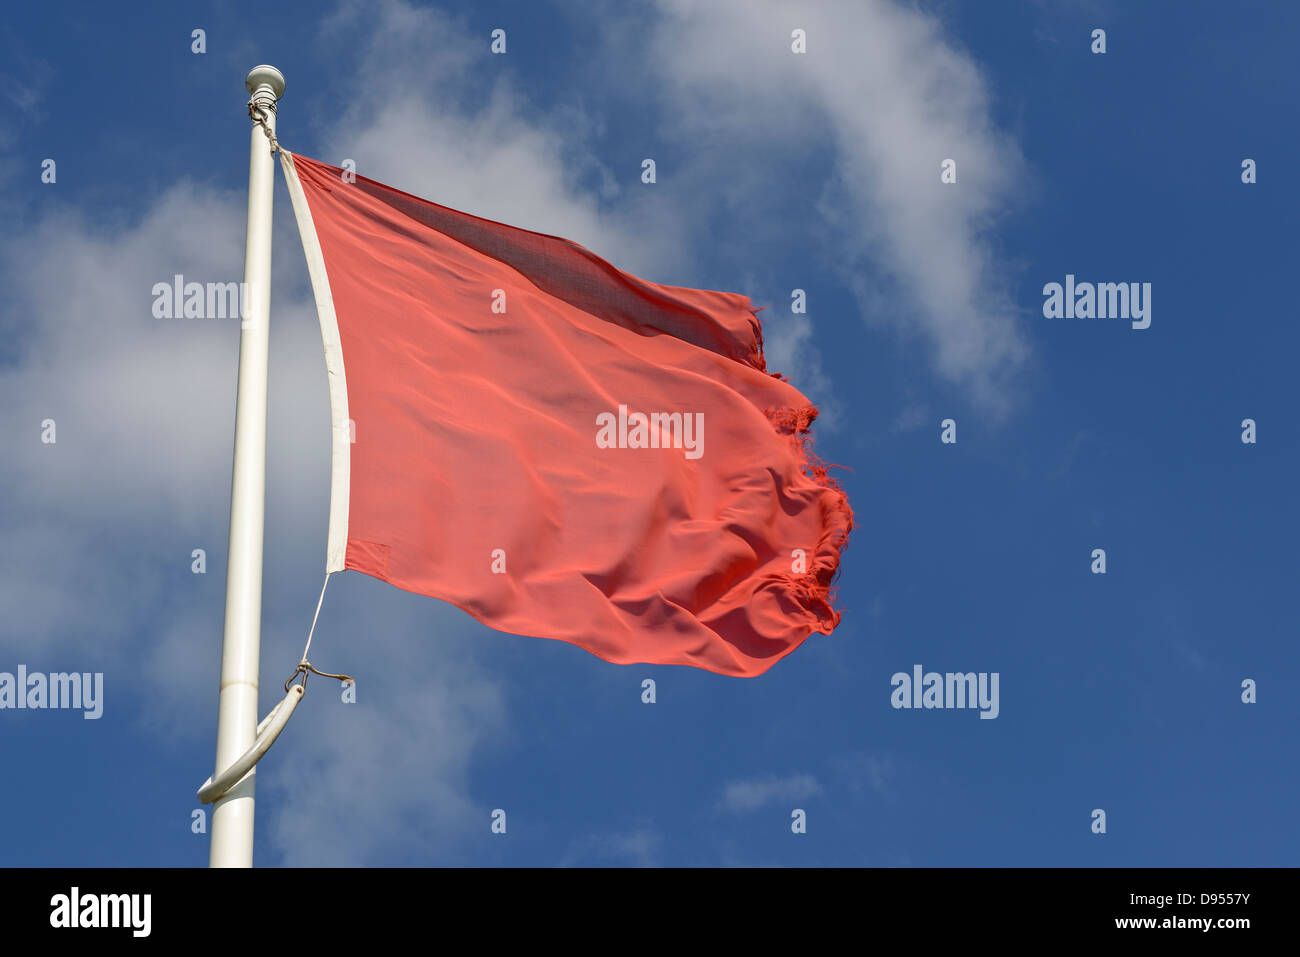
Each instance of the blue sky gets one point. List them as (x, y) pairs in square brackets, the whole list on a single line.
[(775, 171)]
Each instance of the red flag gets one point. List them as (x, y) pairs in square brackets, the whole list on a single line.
[(557, 447)]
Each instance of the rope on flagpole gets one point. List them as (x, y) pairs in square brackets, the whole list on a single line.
[(257, 114), (305, 666)]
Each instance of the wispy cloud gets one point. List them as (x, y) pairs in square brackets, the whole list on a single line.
[(863, 772), (911, 417), (753, 793), (640, 847)]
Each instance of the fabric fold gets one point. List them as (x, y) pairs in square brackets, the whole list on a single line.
[(560, 448)]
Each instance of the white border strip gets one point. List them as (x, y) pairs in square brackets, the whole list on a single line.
[(341, 458)]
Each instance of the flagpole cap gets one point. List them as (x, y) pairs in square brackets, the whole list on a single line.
[(264, 79)]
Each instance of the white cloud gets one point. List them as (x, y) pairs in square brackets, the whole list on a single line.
[(754, 793), (142, 409), (386, 777), (421, 127), (789, 346), (893, 97)]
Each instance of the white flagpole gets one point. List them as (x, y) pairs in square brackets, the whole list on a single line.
[(232, 815)]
